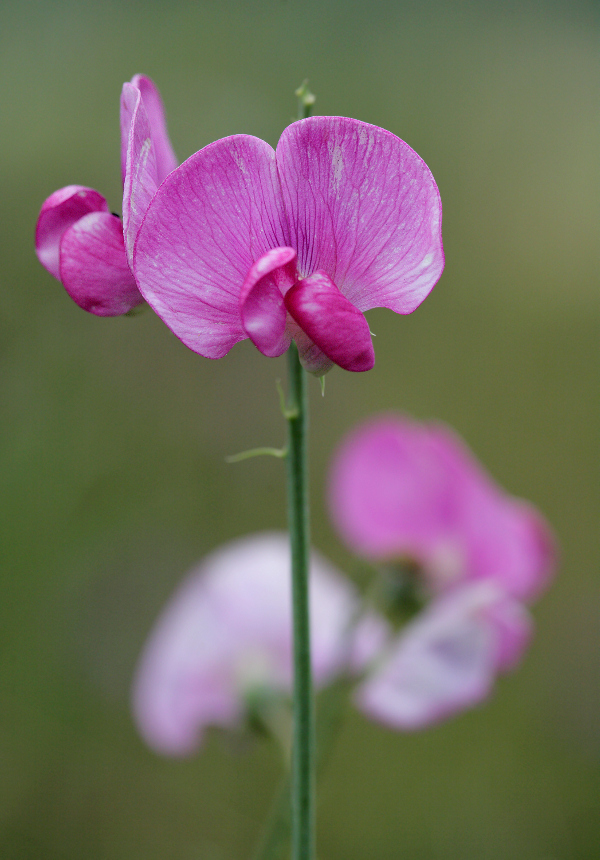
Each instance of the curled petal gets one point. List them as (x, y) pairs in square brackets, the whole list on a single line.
[(261, 300), (93, 266), (363, 207), (227, 632), (59, 212), (208, 223), (332, 322), (447, 659), (165, 157), (141, 176)]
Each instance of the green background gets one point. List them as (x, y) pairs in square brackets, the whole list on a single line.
[(113, 435)]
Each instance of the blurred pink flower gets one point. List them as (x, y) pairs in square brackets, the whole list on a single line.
[(242, 241), (226, 634), (77, 238), (400, 490), (447, 658), (403, 489)]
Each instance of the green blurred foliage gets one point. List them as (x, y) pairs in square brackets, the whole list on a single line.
[(113, 434)]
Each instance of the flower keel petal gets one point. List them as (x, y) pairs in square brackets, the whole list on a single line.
[(338, 328), (261, 300), (93, 266), (59, 212)]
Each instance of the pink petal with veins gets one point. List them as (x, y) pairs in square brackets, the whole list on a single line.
[(154, 110), (166, 161), (93, 266), (261, 300), (359, 207), (59, 212), (141, 176), (208, 224), (332, 322), (363, 207)]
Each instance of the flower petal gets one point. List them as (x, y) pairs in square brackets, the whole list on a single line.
[(514, 627), (147, 156), (332, 322), (311, 357), (59, 212), (398, 487), (227, 631), (510, 542), (166, 160), (93, 266), (445, 661), (388, 495), (140, 179), (261, 300), (506, 539), (208, 223), (363, 207)]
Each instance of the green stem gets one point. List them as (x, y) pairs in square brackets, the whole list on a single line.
[(275, 838), (303, 800)]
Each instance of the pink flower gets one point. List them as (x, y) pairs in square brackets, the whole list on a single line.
[(447, 658), (242, 241), (226, 635), (77, 238), (403, 489)]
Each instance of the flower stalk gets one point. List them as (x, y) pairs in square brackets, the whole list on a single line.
[(303, 739), (303, 745)]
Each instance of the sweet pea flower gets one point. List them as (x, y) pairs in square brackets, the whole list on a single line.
[(447, 658), (400, 489), (409, 492), (226, 636), (242, 241), (78, 239)]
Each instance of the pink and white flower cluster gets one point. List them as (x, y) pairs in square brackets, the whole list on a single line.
[(398, 490)]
